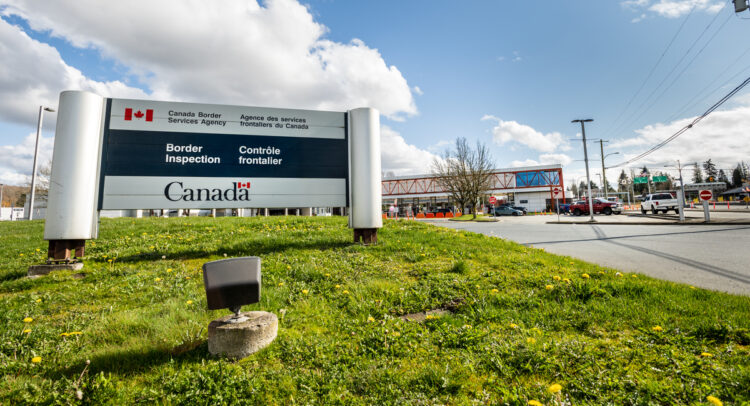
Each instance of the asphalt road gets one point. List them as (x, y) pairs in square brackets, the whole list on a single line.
[(708, 256)]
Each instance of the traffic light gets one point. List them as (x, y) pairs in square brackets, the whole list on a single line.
[(740, 5)]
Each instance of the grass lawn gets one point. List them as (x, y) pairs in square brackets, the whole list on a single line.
[(470, 217), (523, 321)]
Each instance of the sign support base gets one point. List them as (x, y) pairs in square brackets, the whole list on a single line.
[(65, 251), (367, 235)]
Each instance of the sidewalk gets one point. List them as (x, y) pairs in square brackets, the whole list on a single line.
[(692, 217)]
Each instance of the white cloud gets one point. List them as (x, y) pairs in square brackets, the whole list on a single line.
[(672, 8), (722, 136), (16, 160), (401, 158), (33, 74), (544, 159), (237, 53), (638, 19), (512, 131), (417, 90)]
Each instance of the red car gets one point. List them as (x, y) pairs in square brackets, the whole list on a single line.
[(600, 206)]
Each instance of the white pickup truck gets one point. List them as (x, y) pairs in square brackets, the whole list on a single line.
[(660, 201)]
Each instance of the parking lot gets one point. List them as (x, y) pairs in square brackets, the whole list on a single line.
[(702, 255)]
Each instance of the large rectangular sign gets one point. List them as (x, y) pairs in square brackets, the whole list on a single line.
[(182, 155)]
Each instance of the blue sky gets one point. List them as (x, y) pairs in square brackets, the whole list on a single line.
[(509, 74)]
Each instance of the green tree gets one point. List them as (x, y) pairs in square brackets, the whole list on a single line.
[(622, 182), (712, 174), (737, 176), (723, 178), (697, 175)]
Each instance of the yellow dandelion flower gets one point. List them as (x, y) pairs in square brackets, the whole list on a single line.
[(20, 255), (157, 279), (549, 287), (28, 320), (281, 284), (64, 334), (531, 340), (27, 331), (536, 330), (706, 354), (692, 287), (305, 291), (429, 317), (36, 360), (566, 280), (534, 403), (634, 275), (513, 325), (494, 291), (327, 275), (714, 401), (396, 334), (618, 274), (169, 269), (346, 292), (467, 326), (557, 278), (37, 250), (189, 302), (109, 260), (370, 319), (585, 276), (187, 277), (656, 328), (39, 300), (337, 286), (75, 333), (554, 388)]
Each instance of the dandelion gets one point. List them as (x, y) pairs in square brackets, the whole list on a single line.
[(692, 287), (288, 267), (337, 286), (513, 325), (64, 334), (327, 275), (169, 269), (20, 255), (189, 302), (281, 284), (36, 360), (346, 292), (534, 403), (109, 260), (187, 277), (467, 327), (549, 287), (566, 280), (656, 328), (370, 319), (27, 331), (585, 276), (554, 388), (75, 333), (39, 300), (494, 291), (37, 250), (618, 274), (157, 279), (706, 355), (396, 334), (305, 291), (557, 278), (634, 275), (28, 320), (531, 340), (714, 401), (429, 317)]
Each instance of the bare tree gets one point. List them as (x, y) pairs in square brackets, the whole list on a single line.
[(465, 173)]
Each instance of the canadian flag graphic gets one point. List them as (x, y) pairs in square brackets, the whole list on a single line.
[(241, 185), (139, 114)]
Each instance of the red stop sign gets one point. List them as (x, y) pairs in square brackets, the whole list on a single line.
[(705, 195), (493, 200)]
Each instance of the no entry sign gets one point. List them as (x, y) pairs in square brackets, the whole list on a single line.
[(557, 192), (705, 195), (493, 200)]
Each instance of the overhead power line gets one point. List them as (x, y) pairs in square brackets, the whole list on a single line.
[(687, 127)]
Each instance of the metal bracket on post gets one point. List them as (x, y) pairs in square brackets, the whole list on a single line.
[(367, 235), (65, 251)]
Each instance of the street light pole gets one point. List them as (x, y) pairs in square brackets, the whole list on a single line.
[(586, 159), (42, 109)]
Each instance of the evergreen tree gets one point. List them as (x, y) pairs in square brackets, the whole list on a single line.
[(737, 176), (697, 175), (622, 182), (711, 172), (723, 178)]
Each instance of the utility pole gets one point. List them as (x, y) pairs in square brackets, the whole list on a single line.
[(586, 160), (42, 109), (604, 174), (682, 193)]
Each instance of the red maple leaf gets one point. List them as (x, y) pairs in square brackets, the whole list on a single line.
[(138, 114)]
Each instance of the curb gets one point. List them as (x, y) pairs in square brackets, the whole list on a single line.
[(653, 223)]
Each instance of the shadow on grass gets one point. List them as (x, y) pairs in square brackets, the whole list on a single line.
[(255, 248), (12, 275), (135, 360)]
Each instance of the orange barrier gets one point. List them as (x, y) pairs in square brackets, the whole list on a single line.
[(420, 215), (448, 215), (385, 216), (430, 216), (440, 215)]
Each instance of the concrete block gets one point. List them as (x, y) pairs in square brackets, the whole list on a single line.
[(44, 269), (238, 340)]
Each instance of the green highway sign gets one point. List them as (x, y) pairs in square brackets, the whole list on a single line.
[(641, 179), (659, 179)]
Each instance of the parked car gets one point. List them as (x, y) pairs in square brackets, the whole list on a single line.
[(521, 208), (507, 211), (600, 206), (660, 201), (565, 208)]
